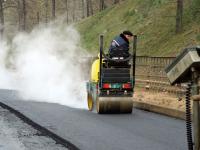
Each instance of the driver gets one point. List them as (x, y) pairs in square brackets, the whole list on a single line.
[(120, 44)]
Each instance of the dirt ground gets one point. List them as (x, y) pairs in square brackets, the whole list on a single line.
[(163, 99)]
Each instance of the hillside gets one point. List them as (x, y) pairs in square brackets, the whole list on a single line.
[(153, 22)]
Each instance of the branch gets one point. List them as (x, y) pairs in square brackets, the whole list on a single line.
[(9, 6)]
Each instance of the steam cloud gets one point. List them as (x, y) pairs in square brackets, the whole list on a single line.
[(45, 65)]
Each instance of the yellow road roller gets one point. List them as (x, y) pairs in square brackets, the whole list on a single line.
[(111, 85)]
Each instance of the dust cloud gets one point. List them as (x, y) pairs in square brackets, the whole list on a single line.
[(45, 65)]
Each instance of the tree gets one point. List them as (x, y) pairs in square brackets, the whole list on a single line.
[(53, 11), (83, 9), (46, 11), (115, 1), (101, 5), (38, 18), (195, 9), (73, 11), (22, 14), (1, 19), (67, 11), (179, 16), (89, 8)]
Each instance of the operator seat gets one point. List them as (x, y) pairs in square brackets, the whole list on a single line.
[(116, 55)]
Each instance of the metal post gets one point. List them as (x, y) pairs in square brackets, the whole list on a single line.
[(196, 112), (134, 55), (101, 51)]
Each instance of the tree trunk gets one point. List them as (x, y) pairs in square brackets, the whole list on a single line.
[(91, 7), (19, 14), (21, 7), (195, 9), (115, 1), (73, 11), (87, 8), (46, 11), (179, 16), (38, 18), (53, 9), (101, 5), (1, 19), (66, 5), (24, 15), (83, 9)]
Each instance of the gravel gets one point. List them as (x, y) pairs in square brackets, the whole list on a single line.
[(17, 135)]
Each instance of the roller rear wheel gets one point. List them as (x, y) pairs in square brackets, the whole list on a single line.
[(113, 105), (90, 102)]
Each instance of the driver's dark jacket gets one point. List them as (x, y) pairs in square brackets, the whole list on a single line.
[(119, 43)]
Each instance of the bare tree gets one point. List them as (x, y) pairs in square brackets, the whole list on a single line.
[(21, 6), (53, 11), (87, 8), (115, 1), (1, 19), (91, 7), (83, 9), (195, 9), (46, 11), (179, 16), (19, 14), (38, 18), (67, 10), (24, 14), (101, 5), (74, 10)]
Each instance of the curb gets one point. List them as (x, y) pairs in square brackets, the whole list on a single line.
[(160, 110)]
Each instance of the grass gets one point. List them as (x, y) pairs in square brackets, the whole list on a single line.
[(152, 20)]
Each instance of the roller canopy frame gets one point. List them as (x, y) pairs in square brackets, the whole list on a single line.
[(133, 57), (119, 100)]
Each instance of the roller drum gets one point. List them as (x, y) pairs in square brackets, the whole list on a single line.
[(106, 105)]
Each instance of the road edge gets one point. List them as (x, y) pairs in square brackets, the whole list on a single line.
[(59, 140), (159, 109)]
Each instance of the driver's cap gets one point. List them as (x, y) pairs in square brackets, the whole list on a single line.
[(127, 33)]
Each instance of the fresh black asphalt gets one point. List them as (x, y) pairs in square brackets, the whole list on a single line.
[(140, 130)]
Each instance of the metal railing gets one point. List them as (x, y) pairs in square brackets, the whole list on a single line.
[(150, 74)]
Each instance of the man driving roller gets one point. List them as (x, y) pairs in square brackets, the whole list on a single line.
[(120, 44)]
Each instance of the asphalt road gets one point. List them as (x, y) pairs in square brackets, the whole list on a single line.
[(140, 130)]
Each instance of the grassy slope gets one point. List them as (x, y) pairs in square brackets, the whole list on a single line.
[(152, 20)]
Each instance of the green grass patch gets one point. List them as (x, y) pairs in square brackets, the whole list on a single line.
[(152, 20)]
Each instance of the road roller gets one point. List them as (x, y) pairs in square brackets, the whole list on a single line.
[(111, 85)]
